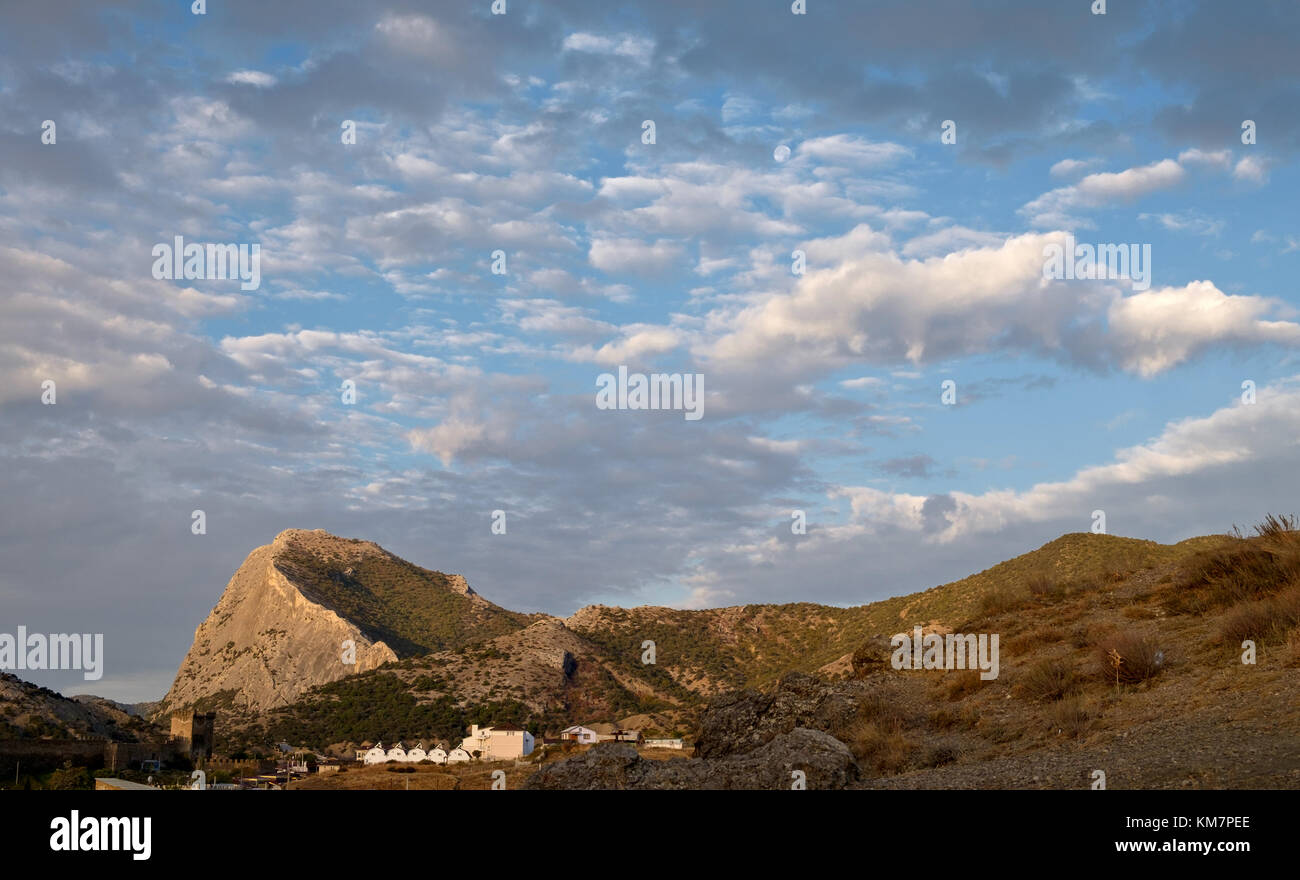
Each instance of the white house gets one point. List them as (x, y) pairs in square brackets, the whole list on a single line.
[(438, 754), (377, 755), (417, 754), (578, 733), (397, 753), (500, 742), (458, 755)]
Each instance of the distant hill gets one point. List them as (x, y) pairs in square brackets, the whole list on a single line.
[(550, 672), (28, 711), (282, 623)]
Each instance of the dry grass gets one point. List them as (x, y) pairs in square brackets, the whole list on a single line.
[(1243, 569), (942, 719), (1048, 635), (1269, 620), (1044, 587), (1072, 716), (1051, 679), (1128, 657), (959, 685), (1001, 602), (883, 747), (1291, 657)]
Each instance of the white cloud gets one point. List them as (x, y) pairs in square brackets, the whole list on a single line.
[(1098, 190), (1155, 330), (632, 255), (251, 78), (626, 45), (1251, 169)]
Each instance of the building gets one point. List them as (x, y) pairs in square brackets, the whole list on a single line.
[(612, 732), (438, 754), (458, 756), (109, 783), (501, 742), (579, 734), (192, 733), (663, 744), (397, 753), (416, 755), (376, 755)]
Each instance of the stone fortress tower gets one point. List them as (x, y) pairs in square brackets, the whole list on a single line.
[(192, 733)]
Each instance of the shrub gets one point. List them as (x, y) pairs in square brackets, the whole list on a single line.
[(1264, 621), (882, 747), (1242, 569), (1025, 642), (1000, 602), (959, 685), (937, 756), (1046, 680), (1043, 586), (1292, 655), (942, 719), (1250, 620), (1129, 657), (1071, 716)]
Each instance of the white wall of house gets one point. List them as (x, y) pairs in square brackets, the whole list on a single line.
[(498, 745), (663, 744), (580, 734)]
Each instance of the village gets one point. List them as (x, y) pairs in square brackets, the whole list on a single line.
[(504, 742), (192, 739)]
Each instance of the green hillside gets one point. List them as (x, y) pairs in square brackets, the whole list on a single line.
[(414, 610)]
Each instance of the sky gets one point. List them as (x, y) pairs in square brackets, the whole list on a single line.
[(924, 156)]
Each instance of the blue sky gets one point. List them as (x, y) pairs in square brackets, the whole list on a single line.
[(523, 133)]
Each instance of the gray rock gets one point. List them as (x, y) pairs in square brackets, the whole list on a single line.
[(743, 721), (825, 762)]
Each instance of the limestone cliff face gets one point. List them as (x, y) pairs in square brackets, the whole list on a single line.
[(266, 642)]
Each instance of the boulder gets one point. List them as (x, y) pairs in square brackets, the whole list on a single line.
[(824, 761), (743, 721)]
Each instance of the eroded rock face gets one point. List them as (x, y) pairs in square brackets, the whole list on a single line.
[(823, 761), (265, 642), (745, 720), (873, 656)]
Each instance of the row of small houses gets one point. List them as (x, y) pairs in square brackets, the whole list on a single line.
[(503, 742)]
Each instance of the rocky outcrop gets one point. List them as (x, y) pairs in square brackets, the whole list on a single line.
[(873, 656), (266, 642), (743, 721), (800, 756)]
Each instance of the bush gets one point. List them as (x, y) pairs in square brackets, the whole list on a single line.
[(1292, 655), (1071, 716), (959, 685), (1243, 569), (1265, 621), (885, 748), (1129, 657), (1000, 602), (939, 756), (1043, 586), (70, 779), (1046, 680)]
